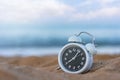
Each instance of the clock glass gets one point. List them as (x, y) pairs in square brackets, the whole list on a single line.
[(73, 58)]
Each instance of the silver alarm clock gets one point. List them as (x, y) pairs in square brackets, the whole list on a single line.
[(76, 57)]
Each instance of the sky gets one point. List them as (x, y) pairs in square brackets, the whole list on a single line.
[(45, 18)]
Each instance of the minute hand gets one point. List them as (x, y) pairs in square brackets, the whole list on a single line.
[(76, 55), (73, 58)]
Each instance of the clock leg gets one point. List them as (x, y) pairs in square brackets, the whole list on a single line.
[(58, 68)]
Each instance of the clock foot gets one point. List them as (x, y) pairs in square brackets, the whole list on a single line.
[(58, 68)]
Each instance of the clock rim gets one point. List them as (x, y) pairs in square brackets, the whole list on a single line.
[(87, 65)]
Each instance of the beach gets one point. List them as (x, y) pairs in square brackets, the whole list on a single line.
[(105, 67)]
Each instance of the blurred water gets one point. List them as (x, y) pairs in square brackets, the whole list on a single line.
[(108, 50), (9, 52)]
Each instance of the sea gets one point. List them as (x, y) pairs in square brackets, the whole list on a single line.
[(44, 51), (35, 46)]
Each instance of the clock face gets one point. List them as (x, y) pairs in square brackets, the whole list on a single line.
[(73, 58)]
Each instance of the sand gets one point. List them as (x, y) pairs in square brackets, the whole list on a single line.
[(105, 67)]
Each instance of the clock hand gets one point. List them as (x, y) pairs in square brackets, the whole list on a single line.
[(76, 55), (72, 58)]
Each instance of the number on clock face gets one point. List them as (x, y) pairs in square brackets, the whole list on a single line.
[(73, 58)]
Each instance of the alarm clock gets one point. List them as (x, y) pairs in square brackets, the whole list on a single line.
[(76, 56)]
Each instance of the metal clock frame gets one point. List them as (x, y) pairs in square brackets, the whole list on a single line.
[(88, 63)]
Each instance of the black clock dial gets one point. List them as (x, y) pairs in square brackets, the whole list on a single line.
[(73, 58)]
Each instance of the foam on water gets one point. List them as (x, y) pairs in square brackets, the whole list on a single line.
[(50, 51)]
